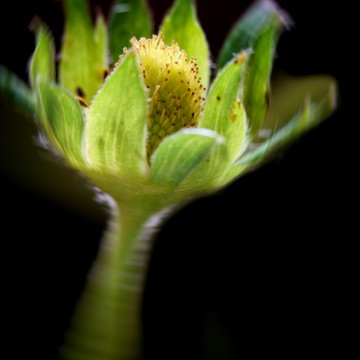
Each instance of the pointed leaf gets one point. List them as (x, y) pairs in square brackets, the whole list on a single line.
[(64, 117), (223, 111), (259, 30), (248, 27), (116, 127), (101, 48), (180, 154), (312, 114), (255, 85), (42, 64), (16, 92), (83, 54), (128, 18), (182, 25)]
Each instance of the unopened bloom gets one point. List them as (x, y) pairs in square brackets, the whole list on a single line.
[(153, 128), (153, 131)]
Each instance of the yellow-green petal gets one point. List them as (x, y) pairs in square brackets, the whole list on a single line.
[(128, 18), (182, 25), (182, 153), (116, 127), (83, 60), (224, 112), (64, 121)]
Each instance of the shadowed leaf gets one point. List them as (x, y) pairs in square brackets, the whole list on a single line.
[(16, 93), (128, 18), (42, 64), (247, 29), (65, 119), (83, 54)]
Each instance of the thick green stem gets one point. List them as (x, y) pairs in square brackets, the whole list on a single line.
[(107, 321)]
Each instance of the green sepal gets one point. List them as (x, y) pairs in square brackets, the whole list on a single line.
[(128, 18), (64, 121), (83, 60), (180, 154), (246, 30), (311, 115), (256, 81), (182, 25), (101, 50), (42, 63), (223, 111), (16, 93), (259, 30), (116, 126)]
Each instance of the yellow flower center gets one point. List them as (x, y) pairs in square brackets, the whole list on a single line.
[(175, 89)]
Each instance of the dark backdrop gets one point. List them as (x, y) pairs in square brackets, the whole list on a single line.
[(261, 268)]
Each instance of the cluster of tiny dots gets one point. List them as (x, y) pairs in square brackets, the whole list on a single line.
[(175, 90)]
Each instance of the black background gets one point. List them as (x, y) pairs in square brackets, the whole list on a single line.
[(262, 268)]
